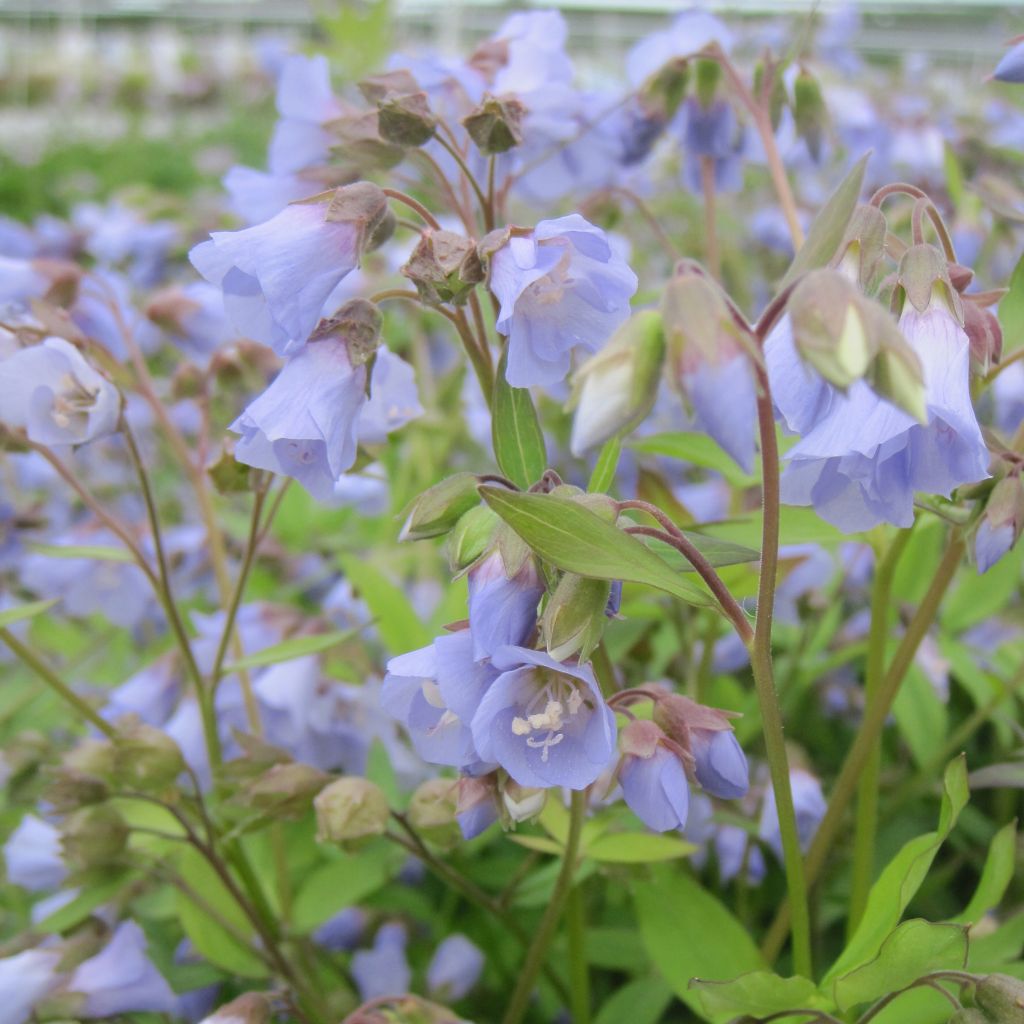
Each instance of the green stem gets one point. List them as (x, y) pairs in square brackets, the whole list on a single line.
[(870, 729), (468, 175), (767, 696), (579, 977), (707, 180), (535, 955), (41, 669), (866, 828)]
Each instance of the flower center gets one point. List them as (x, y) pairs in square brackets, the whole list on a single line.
[(543, 729), (73, 400)]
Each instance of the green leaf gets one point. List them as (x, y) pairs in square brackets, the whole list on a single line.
[(718, 552), (913, 950), (1011, 311), (829, 226), (94, 552), (637, 848), (97, 893), (515, 432), (641, 1001), (759, 994), (294, 647), (689, 934), (995, 876), (698, 450), (541, 844), (604, 469), (573, 538), (901, 878), (921, 717), (339, 884), (25, 611), (218, 928), (398, 624)]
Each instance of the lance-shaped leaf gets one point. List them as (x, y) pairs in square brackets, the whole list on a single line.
[(515, 431), (829, 227), (758, 994), (573, 538), (24, 611)]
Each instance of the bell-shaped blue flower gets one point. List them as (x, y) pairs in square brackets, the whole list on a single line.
[(1011, 67), (862, 462), (277, 276), (454, 969), (55, 396), (561, 287), (383, 970), (809, 805), (653, 778), (543, 721), (25, 978), (502, 608), (33, 855), (719, 763)]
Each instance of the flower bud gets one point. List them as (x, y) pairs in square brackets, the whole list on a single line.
[(406, 119), (286, 789), (439, 508), (476, 804), (187, 382), (365, 205), (829, 331), (863, 246), (779, 99), (985, 335), (495, 126), (350, 808), (358, 325), (809, 113), (1002, 998), (896, 372), (663, 92), (145, 758), (445, 267), (574, 619), (1001, 523), (432, 811), (470, 537), (93, 836), (361, 146), (616, 388), (709, 74), (521, 803)]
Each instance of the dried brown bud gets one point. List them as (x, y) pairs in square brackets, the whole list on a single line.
[(496, 124), (445, 267)]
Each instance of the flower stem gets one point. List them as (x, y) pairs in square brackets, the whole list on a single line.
[(579, 978), (707, 181), (870, 729), (866, 827), (535, 955), (41, 669), (767, 695)]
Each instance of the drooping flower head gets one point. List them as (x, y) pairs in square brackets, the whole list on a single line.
[(652, 777), (455, 968), (545, 722), (561, 287), (55, 396), (809, 804), (502, 603)]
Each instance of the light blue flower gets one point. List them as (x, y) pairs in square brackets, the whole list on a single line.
[(561, 287), (25, 978), (809, 804), (277, 276), (122, 979), (652, 777), (384, 969), (720, 764), (55, 396), (1011, 67), (454, 969), (543, 721), (862, 462), (306, 104), (502, 608), (33, 855), (310, 420)]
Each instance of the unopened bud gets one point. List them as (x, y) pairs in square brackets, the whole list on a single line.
[(985, 335), (1001, 523), (350, 808), (93, 836), (896, 372), (476, 804), (521, 803), (863, 246), (445, 267), (406, 119), (187, 382), (438, 509), (1002, 998), (361, 147), (809, 113), (709, 74), (471, 537), (287, 789), (358, 325), (432, 811), (829, 331), (574, 619), (662, 94), (495, 126), (778, 99), (145, 758), (616, 388)]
